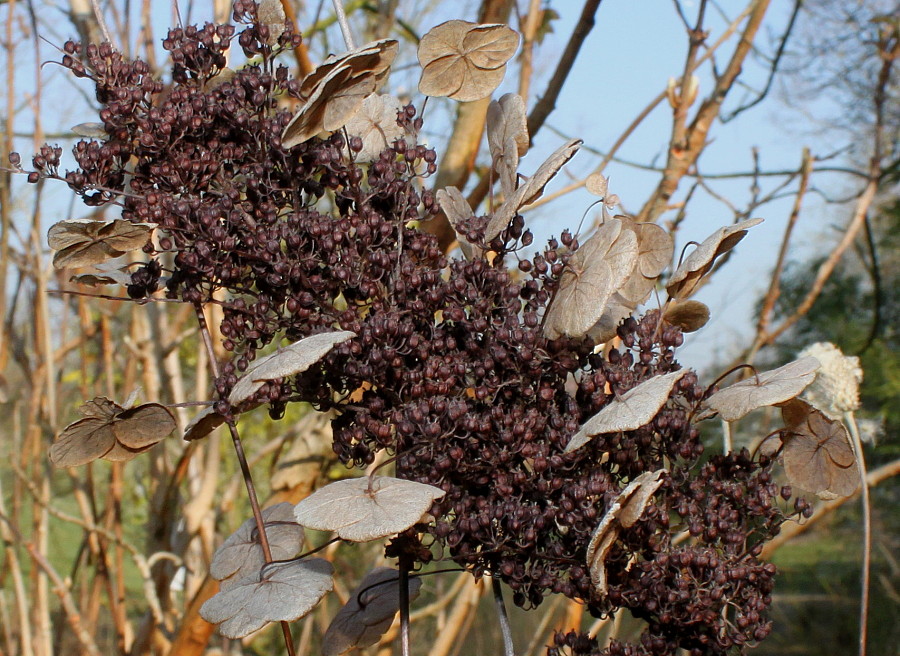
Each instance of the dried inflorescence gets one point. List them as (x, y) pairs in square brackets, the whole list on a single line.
[(450, 367)]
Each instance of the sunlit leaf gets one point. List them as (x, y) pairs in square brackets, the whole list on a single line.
[(590, 278), (368, 613), (465, 61), (90, 130), (818, 454), (287, 361), (530, 190), (279, 592), (767, 388), (688, 315), (597, 184), (633, 409), (624, 512), (367, 508), (241, 555), (700, 261), (457, 210), (271, 14), (376, 124), (507, 134), (83, 242)]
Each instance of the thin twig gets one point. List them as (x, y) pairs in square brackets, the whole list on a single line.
[(503, 618), (342, 21), (850, 420), (404, 605)]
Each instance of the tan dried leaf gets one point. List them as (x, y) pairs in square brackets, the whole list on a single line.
[(688, 275), (625, 511), (203, 424), (507, 134), (655, 248), (271, 14), (531, 189), (110, 431), (818, 455), (594, 272), (367, 508), (288, 361), (90, 130), (241, 555), (376, 124), (368, 613), (99, 279), (465, 61), (597, 184), (688, 315), (457, 210), (617, 308), (82, 242), (279, 592), (633, 409), (768, 388)]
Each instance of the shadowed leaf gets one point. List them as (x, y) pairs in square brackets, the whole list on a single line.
[(507, 134), (768, 388), (688, 315), (83, 242), (376, 124)]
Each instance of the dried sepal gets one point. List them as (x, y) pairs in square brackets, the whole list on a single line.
[(278, 592), (597, 184), (688, 275), (765, 389), (655, 248), (368, 613), (507, 135), (688, 315), (591, 276), (102, 278), (624, 512), (617, 308), (818, 455), (530, 190), (335, 90), (204, 423), (633, 409), (367, 508), (83, 242), (271, 14), (111, 431), (90, 131), (457, 210), (463, 60), (241, 555), (288, 361), (376, 124)]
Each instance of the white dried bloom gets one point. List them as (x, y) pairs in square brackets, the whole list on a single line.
[(836, 387)]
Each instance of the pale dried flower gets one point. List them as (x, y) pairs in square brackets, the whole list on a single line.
[(836, 387)]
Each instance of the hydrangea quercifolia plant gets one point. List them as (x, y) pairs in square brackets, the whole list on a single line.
[(484, 381)]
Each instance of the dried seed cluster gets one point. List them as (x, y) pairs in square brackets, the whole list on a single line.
[(449, 368)]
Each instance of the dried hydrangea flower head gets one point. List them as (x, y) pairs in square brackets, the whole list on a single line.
[(836, 387)]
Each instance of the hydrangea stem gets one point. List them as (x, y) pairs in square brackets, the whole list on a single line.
[(342, 21), (503, 618), (404, 566), (850, 420)]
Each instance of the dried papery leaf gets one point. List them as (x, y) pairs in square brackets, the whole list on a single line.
[(241, 555), (465, 61), (368, 613), (288, 361), (507, 134), (336, 89), (279, 592), (617, 308), (367, 508), (655, 248), (625, 511), (105, 278), (90, 130), (376, 124), (100, 407), (271, 14), (531, 189), (633, 409), (590, 278), (818, 455), (82, 442), (143, 426), (83, 242), (203, 424), (688, 315), (597, 184), (457, 210), (687, 276), (768, 388)]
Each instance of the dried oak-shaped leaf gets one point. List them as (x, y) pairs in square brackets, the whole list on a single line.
[(688, 315), (594, 272), (110, 431), (82, 242), (241, 555), (630, 411), (625, 511), (279, 592), (507, 134), (376, 124), (336, 89), (818, 455), (687, 276), (368, 613), (287, 361), (465, 61), (367, 508), (768, 388), (531, 189)]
